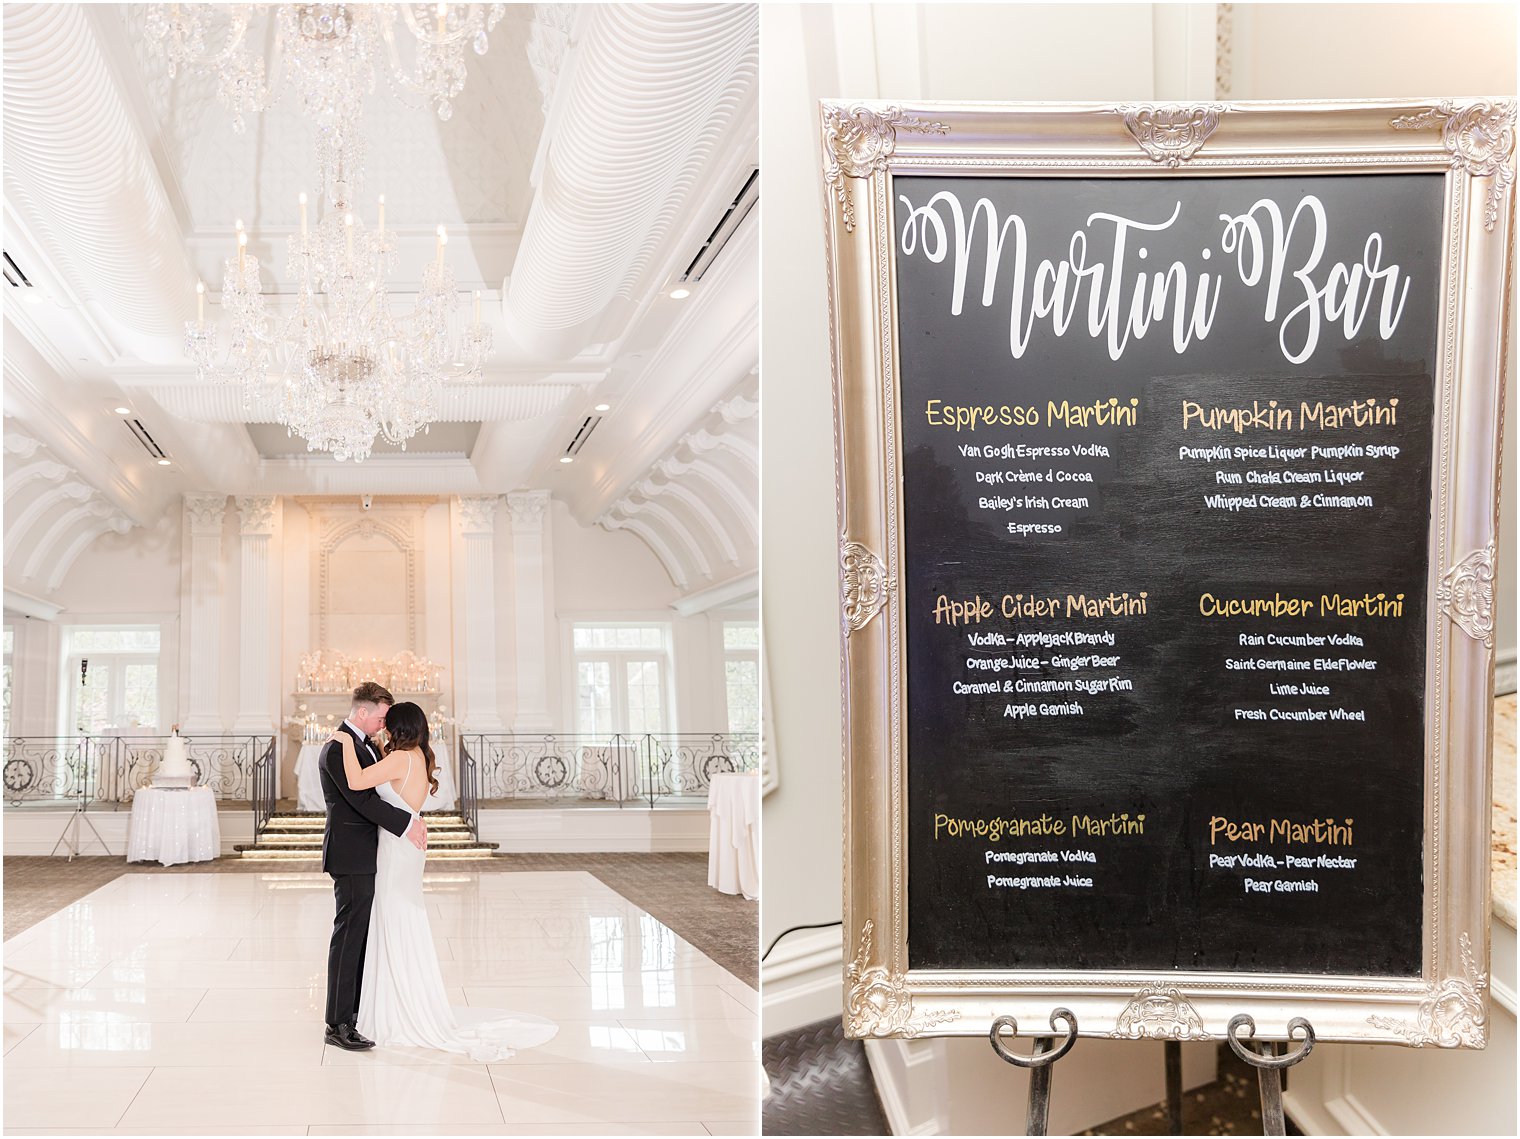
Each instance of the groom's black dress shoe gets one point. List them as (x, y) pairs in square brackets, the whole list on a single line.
[(344, 1036)]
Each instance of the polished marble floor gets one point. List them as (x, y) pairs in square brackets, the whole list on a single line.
[(192, 1004)]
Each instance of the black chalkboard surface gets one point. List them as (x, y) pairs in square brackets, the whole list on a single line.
[(1166, 507)]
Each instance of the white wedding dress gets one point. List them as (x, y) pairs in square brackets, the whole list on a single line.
[(401, 998)]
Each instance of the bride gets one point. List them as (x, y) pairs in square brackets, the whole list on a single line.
[(401, 997)]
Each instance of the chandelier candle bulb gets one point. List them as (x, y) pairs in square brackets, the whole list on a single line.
[(348, 222), (303, 221), (443, 239), (380, 217), (477, 306), (200, 302)]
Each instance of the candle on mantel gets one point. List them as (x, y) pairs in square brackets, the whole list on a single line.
[(303, 220), (443, 239)]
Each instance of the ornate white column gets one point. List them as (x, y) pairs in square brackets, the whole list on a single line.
[(477, 541), (255, 708), (532, 606), (203, 614)]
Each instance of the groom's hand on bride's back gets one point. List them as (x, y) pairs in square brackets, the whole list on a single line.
[(418, 833)]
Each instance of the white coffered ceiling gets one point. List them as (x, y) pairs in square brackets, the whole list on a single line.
[(122, 187)]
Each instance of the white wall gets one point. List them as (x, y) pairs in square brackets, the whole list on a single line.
[(612, 575), (1007, 52)]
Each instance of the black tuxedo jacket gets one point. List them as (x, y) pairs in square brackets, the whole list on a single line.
[(350, 839)]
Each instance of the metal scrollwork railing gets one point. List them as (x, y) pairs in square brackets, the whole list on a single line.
[(469, 787), (264, 795), (683, 763), (111, 769), (618, 768), (48, 768)]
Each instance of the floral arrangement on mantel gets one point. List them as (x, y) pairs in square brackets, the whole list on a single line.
[(325, 671)]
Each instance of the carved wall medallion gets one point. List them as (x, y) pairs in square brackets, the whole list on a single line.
[(1466, 595), (1480, 137), (877, 1003), (860, 139), (1453, 1013), (1171, 134), (865, 585), (1159, 1012)]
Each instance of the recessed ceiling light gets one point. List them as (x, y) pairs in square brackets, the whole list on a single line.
[(566, 459), (122, 410), (604, 407), (679, 294), (163, 462)]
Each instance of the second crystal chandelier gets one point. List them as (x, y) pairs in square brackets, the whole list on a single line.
[(346, 367), (340, 366)]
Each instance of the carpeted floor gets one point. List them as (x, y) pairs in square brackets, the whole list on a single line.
[(671, 887)]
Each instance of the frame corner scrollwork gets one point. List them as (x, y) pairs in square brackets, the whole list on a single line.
[(859, 139), (877, 1001), (1480, 138), (1171, 133), (1453, 1013)]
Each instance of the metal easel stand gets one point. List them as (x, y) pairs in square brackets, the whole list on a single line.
[(1269, 1064), (1046, 1052), (71, 834), (71, 830)]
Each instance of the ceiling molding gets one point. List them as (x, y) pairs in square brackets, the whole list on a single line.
[(378, 475), (33, 397), (26, 605), (741, 590), (621, 167), (37, 531), (461, 403), (708, 490), (80, 176)]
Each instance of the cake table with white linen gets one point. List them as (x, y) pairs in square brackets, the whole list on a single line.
[(173, 825), (308, 782), (733, 835)]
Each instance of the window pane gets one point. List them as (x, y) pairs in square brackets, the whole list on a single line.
[(91, 707), (593, 707), (743, 686), (741, 635), (644, 696), (113, 640), (140, 697)]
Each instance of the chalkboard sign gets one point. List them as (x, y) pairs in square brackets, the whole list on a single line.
[(1167, 510)]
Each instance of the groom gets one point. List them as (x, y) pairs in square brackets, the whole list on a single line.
[(349, 843)]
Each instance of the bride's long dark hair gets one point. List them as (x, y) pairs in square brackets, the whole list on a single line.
[(406, 726)]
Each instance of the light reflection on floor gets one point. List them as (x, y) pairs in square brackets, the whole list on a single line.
[(193, 1003)]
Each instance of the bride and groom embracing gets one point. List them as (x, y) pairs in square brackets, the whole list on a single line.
[(383, 980)]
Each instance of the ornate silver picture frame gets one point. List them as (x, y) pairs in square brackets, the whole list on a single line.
[(1470, 144)]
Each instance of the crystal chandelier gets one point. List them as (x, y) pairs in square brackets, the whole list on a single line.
[(329, 54), (346, 366)]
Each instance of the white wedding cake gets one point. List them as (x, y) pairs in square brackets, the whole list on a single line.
[(175, 770)]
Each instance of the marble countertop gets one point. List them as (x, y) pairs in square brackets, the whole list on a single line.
[(1504, 809)]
